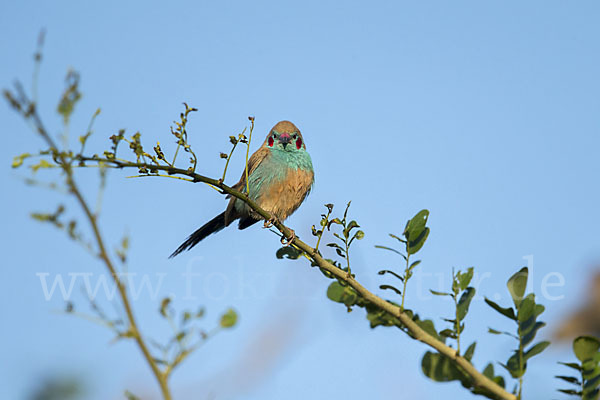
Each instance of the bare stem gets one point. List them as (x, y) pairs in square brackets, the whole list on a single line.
[(65, 164), (247, 152)]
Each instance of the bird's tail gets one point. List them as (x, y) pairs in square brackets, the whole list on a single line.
[(212, 226)]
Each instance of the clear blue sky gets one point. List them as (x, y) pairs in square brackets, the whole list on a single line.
[(486, 113)]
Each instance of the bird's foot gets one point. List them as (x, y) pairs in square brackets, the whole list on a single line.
[(269, 222), (287, 241)]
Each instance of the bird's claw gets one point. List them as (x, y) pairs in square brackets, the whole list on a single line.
[(269, 222), (287, 241)]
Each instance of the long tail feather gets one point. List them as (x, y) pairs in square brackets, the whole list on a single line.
[(212, 226)]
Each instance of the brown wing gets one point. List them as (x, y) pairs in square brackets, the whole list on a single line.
[(253, 162)]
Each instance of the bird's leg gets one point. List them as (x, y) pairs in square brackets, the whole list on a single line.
[(287, 241)]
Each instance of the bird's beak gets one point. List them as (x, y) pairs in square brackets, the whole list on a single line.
[(285, 139)]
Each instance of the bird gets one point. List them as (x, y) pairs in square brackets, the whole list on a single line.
[(280, 176)]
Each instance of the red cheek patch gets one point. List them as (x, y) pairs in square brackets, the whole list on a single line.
[(298, 143), (270, 141)]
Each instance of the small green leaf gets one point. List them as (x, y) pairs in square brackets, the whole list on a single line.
[(428, 326), (180, 336), (513, 366), (570, 391), (448, 333), (334, 221), (585, 347), (416, 225), (389, 249), (413, 246), (464, 278), (414, 264), (494, 331), (528, 334), (569, 379), (535, 350), (390, 287), (517, 285), (507, 312), (353, 224), (342, 294), (164, 304), (463, 304), (18, 160), (439, 293), (186, 316), (470, 351), (526, 308), (571, 365), (359, 235), (229, 319), (289, 252)]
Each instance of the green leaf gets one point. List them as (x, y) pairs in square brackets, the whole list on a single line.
[(390, 287), (413, 246), (585, 347), (470, 351), (539, 309), (488, 371), (70, 96), (464, 278), (334, 221), (439, 293), (439, 368), (353, 224), (229, 319), (186, 316), (463, 304), (494, 331), (513, 365), (18, 160), (528, 334), (507, 312), (387, 271), (359, 235), (448, 333), (526, 308), (342, 294), (414, 264), (164, 304), (416, 225), (389, 249), (569, 379), (571, 365), (570, 391), (535, 350), (428, 326), (517, 285), (289, 252), (335, 291)]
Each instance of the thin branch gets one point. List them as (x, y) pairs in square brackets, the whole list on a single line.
[(65, 163), (479, 380)]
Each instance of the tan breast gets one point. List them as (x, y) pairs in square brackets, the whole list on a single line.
[(282, 199)]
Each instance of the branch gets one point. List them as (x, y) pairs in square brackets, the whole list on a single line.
[(479, 380), (66, 164)]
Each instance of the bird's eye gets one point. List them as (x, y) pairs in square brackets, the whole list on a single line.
[(274, 136), (295, 136)]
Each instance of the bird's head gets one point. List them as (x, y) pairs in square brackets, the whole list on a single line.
[(285, 136)]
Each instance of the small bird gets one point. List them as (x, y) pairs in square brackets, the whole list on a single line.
[(280, 175)]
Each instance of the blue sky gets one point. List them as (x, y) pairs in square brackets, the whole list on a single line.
[(486, 113)]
